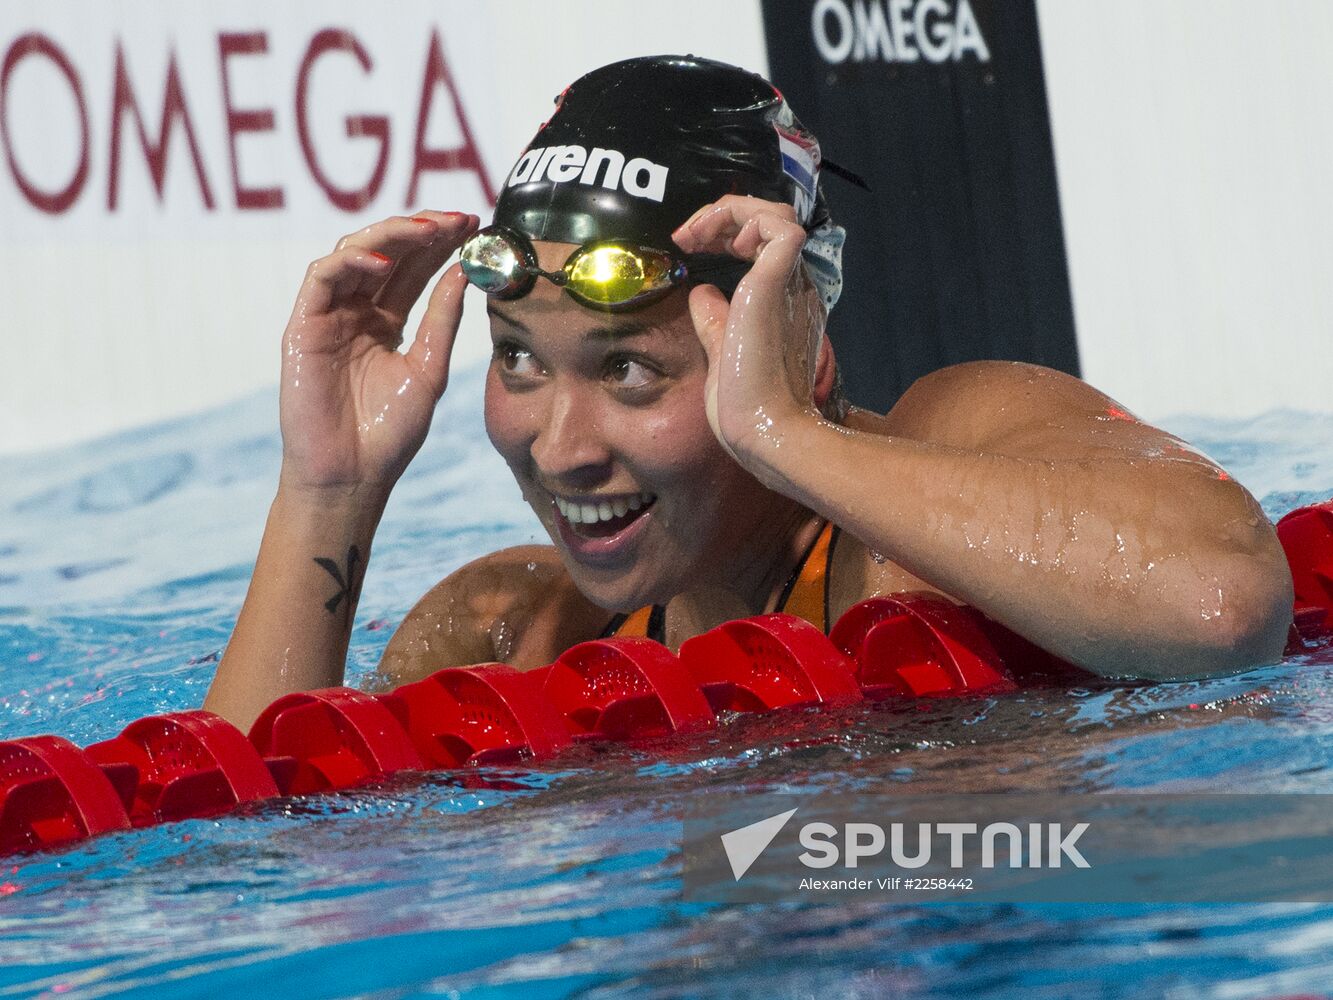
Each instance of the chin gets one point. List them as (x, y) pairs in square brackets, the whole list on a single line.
[(614, 590), (650, 572), (620, 592)]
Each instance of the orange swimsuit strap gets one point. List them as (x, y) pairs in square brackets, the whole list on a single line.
[(806, 595)]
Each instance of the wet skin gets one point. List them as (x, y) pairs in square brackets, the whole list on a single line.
[(1010, 487), (594, 408)]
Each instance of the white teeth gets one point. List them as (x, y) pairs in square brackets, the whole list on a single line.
[(589, 513)]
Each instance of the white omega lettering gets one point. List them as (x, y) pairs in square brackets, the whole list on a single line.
[(902, 30), (846, 34), (967, 34), (897, 31), (872, 32), (935, 39)]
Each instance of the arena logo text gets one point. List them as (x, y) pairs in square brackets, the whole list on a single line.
[(902, 31), (237, 53), (562, 164)]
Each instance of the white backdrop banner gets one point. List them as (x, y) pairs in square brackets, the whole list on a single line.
[(169, 170)]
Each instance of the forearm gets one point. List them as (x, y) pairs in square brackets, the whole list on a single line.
[(1123, 566), (293, 629)]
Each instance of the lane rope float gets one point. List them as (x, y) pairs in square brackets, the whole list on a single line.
[(182, 765)]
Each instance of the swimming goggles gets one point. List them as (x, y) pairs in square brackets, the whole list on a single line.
[(611, 275)]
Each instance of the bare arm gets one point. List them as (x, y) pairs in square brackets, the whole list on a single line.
[(1015, 489), (354, 411), (293, 629), (1032, 496)]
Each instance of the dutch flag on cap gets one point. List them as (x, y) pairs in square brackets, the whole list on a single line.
[(800, 162)]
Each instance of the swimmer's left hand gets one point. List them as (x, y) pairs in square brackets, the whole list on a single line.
[(763, 345)]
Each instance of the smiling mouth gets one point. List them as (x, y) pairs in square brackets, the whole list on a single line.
[(606, 517)]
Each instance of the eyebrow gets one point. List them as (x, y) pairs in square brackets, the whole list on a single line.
[(603, 332)]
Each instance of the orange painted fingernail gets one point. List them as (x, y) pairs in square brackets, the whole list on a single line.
[(418, 218)]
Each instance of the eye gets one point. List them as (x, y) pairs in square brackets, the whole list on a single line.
[(629, 373), (515, 360)]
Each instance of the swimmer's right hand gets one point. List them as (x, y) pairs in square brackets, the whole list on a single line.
[(354, 411)]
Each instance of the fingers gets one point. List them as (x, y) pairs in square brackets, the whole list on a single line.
[(759, 343), (390, 261), (416, 267), (721, 226), (752, 229), (394, 237), (434, 340), (774, 245), (341, 274), (709, 311)]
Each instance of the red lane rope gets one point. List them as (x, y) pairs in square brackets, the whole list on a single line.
[(189, 764)]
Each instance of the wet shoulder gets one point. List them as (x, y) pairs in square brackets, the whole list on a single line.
[(976, 405), (1018, 409), (1004, 408), (516, 606)]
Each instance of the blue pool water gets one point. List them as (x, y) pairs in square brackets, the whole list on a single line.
[(122, 566)]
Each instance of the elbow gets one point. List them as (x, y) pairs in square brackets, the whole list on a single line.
[(1255, 626), (1234, 616), (1241, 620), (1236, 610)]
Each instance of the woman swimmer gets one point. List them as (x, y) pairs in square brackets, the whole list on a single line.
[(672, 416)]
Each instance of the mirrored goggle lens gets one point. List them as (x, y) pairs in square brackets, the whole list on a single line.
[(611, 275), (493, 264)]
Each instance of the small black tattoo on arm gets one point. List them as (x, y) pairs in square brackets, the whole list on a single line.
[(350, 583)]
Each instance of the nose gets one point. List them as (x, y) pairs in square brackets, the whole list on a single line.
[(570, 448)]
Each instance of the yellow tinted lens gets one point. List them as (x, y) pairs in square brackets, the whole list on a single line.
[(607, 274)]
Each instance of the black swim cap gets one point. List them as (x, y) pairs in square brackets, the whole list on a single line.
[(635, 148)]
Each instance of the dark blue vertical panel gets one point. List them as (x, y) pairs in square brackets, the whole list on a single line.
[(957, 253)]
